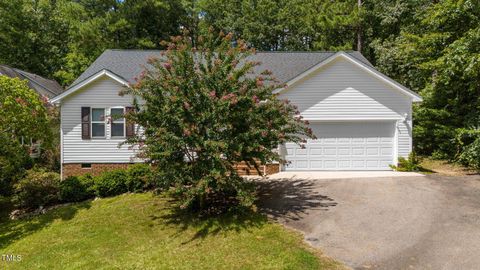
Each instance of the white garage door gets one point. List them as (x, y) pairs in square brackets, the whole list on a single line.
[(344, 146)]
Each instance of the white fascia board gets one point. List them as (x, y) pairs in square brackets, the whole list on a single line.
[(375, 73), (87, 81), (353, 119)]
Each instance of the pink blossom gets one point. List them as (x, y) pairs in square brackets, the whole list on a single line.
[(264, 133), (256, 99), (20, 101), (44, 99), (212, 94), (229, 96), (259, 83), (167, 66)]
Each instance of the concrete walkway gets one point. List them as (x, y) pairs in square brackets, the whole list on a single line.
[(342, 174), (406, 222)]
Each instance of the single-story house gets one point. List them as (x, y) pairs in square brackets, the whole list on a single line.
[(362, 118)]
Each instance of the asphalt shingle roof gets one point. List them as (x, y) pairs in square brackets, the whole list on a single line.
[(41, 85), (284, 65)]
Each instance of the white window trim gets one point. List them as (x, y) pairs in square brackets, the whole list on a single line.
[(124, 122), (98, 122)]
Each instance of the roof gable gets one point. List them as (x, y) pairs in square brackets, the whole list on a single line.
[(87, 81), (368, 68)]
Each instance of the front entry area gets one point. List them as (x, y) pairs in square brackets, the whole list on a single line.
[(344, 146)]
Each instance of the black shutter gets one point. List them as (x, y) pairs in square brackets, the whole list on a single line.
[(130, 126), (85, 123)]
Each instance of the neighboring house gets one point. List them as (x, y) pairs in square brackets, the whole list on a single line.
[(44, 87), (362, 118)]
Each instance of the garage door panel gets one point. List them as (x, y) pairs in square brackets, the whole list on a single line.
[(372, 151), (316, 164), (358, 164), (344, 151), (315, 151), (300, 152), (386, 151), (344, 163), (330, 151), (302, 164), (329, 141), (386, 140), (330, 164), (345, 146), (358, 151), (358, 140), (372, 163)]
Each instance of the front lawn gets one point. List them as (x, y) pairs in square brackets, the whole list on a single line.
[(142, 231), (445, 167)]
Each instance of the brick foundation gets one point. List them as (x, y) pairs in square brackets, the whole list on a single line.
[(96, 169), (268, 169), (272, 168), (75, 169)]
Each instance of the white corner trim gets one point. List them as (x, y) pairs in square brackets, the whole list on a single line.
[(87, 81), (375, 73)]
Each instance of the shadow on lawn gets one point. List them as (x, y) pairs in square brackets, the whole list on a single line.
[(279, 199), (13, 230), (235, 220), (288, 199)]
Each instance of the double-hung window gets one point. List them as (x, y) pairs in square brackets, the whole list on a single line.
[(98, 122), (118, 122)]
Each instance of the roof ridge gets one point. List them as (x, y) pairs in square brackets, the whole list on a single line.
[(294, 51)]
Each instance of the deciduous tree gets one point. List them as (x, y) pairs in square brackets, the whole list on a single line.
[(206, 111)]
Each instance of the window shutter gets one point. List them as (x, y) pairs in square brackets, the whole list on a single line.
[(85, 123), (130, 126)]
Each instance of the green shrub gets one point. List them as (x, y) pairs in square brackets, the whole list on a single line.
[(471, 155), (139, 178), (13, 161), (76, 189), (111, 183), (37, 188), (412, 164), (88, 181)]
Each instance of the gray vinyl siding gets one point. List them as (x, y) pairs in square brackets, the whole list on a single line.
[(342, 91), (102, 93)]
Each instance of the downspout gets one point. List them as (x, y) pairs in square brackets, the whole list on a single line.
[(61, 142)]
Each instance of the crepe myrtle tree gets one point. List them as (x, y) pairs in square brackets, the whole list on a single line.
[(23, 117), (205, 110)]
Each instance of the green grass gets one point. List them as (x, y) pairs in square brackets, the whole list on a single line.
[(142, 231), (445, 167)]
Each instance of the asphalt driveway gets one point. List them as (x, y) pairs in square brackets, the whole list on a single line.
[(430, 222)]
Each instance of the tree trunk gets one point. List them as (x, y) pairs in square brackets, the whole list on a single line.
[(359, 30)]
